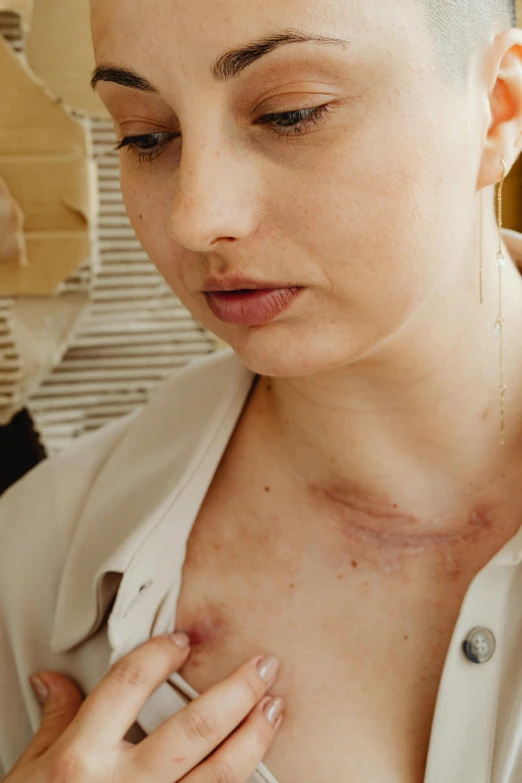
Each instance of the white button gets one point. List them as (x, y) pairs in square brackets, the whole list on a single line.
[(479, 645)]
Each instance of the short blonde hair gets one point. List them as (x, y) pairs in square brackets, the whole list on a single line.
[(459, 26)]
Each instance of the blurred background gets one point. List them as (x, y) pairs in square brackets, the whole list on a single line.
[(88, 328)]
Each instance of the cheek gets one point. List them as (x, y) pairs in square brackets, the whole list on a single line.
[(140, 202), (361, 232), (148, 203), (369, 211)]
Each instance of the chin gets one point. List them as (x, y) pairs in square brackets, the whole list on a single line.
[(273, 354)]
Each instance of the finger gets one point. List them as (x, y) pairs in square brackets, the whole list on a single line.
[(236, 760), (184, 740), (63, 703), (114, 705)]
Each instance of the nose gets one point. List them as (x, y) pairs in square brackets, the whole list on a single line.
[(215, 196)]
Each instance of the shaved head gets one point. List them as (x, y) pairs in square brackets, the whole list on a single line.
[(459, 26)]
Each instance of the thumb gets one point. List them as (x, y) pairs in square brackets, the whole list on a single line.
[(61, 699)]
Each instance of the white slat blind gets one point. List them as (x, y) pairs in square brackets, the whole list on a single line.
[(9, 358)]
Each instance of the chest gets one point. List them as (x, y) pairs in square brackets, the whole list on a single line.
[(361, 653)]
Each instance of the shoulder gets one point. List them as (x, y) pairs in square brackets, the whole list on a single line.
[(58, 484), (85, 511), (53, 494)]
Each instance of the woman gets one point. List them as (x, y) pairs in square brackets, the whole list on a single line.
[(340, 488)]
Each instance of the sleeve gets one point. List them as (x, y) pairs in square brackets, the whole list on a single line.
[(38, 517)]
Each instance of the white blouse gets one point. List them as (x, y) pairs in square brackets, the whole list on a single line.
[(92, 547)]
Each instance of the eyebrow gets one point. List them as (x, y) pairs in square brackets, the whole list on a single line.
[(227, 67)]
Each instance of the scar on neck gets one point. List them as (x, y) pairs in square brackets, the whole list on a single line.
[(476, 522), (385, 526)]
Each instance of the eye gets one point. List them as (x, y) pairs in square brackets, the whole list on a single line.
[(149, 146), (293, 122)]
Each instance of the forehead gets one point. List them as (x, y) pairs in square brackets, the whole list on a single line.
[(187, 36), (197, 18)]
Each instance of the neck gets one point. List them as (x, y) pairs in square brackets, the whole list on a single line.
[(408, 439)]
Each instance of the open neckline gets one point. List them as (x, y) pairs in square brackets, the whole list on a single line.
[(261, 774)]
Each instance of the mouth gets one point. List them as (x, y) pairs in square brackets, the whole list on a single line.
[(243, 285), (240, 290), (251, 307)]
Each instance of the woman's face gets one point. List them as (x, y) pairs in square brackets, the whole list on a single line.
[(368, 208)]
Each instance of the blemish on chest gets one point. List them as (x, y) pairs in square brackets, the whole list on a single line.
[(206, 625)]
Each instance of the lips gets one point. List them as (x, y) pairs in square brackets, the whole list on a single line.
[(235, 283), (250, 307)]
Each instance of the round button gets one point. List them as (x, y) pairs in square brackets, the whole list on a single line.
[(479, 645)]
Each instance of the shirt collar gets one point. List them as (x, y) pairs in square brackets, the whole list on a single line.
[(130, 543), (133, 530)]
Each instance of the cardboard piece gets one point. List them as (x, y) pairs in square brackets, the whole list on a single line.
[(24, 9), (45, 163), (41, 329), (12, 241), (59, 50)]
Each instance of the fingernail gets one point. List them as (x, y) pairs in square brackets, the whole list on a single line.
[(40, 688), (268, 668), (181, 638), (273, 710)]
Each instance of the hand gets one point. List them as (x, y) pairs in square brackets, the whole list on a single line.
[(81, 740)]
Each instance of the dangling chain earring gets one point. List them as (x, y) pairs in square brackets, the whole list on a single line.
[(499, 323)]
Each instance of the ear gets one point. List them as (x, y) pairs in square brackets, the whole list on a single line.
[(504, 136)]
